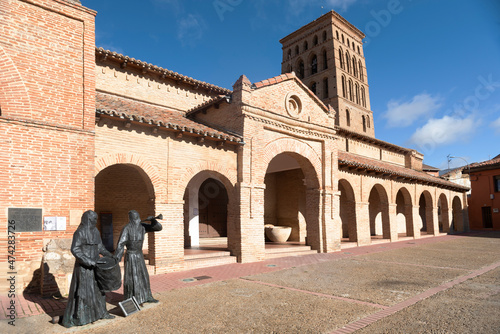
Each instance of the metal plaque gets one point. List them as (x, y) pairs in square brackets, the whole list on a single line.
[(26, 220), (129, 306)]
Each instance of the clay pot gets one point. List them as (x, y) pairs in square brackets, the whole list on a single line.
[(278, 233)]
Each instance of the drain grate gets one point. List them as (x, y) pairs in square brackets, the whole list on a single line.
[(187, 280), (271, 265), (199, 278), (347, 253)]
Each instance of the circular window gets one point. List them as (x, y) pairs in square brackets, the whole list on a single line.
[(293, 105)]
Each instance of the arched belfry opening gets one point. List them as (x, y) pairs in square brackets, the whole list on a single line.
[(290, 201), (118, 189)]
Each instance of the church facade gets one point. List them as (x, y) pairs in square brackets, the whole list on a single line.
[(86, 128)]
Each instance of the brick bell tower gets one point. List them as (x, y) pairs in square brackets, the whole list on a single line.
[(327, 55)]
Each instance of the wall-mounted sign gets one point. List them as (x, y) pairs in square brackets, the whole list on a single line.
[(25, 219), (54, 223)]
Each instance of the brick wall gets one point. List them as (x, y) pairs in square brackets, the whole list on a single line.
[(47, 119), (150, 87)]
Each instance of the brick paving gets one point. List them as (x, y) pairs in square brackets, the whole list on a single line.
[(354, 326), (31, 305)]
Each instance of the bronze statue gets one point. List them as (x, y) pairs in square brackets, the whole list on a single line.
[(86, 302), (136, 277)]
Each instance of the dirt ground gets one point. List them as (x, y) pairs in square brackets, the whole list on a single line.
[(326, 296)]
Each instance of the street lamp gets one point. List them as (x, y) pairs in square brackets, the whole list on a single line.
[(449, 156)]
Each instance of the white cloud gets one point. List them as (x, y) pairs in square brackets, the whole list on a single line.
[(190, 29), (404, 113), (444, 131), (496, 125)]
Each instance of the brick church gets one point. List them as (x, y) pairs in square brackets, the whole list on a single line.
[(86, 128)]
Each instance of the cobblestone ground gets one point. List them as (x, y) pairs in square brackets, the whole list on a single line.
[(448, 284)]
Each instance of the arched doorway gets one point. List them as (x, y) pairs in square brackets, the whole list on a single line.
[(212, 204), (425, 213), (404, 216), (118, 189), (206, 206), (378, 206), (458, 216), (291, 199), (347, 212), (443, 214)]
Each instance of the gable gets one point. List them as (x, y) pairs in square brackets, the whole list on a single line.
[(291, 99)]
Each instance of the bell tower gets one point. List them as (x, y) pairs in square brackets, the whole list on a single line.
[(327, 55)]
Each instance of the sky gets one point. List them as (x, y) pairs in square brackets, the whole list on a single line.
[(433, 66)]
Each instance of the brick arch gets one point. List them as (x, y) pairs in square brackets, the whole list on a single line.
[(312, 168), (347, 210), (130, 159), (443, 212), (426, 211), (211, 169), (405, 193), (13, 85), (406, 209), (378, 204)]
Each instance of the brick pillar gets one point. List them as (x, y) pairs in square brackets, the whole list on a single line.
[(416, 222), (386, 220), (465, 220), (314, 219), (363, 223), (251, 227), (446, 219), (334, 232), (393, 223), (169, 242), (330, 218), (410, 228), (432, 220)]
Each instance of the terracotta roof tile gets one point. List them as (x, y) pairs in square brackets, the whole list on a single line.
[(167, 73), (142, 112), (354, 160), (207, 103), (493, 161)]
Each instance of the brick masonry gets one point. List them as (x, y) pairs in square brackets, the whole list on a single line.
[(162, 135)]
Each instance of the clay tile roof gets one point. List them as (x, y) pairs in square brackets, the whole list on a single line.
[(354, 160), (488, 164), (274, 80), (115, 106), (206, 104), (366, 138), (429, 168), (167, 73)]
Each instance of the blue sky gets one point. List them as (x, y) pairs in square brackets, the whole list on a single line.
[(433, 65)]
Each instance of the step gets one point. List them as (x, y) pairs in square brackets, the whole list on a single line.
[(291, 253), (207, 254), (286, 249), (196, 263)]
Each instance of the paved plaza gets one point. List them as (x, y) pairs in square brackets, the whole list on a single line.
[(443, 284)]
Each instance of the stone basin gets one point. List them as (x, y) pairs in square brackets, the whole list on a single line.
[(278, 233)]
